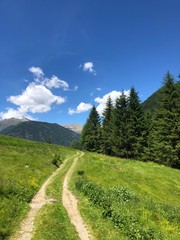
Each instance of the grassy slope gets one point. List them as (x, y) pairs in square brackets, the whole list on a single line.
[(156, 187), (24, 166)]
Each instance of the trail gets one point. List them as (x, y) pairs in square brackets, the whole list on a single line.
[(70, 203), (38, 201)]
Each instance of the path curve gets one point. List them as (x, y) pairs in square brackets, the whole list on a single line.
[(38, 201), (70, 203)]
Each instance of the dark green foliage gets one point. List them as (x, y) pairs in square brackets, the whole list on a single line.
[(136, 126), (76, 144), (91, 133), (42, 132), (164, 138), (151, 104), (129, 131), (129, 126), (56, 160), (120, 134), (107, 129), (80, 172)]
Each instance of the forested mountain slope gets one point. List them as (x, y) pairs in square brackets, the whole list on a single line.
[(42, 132), (152, 102)]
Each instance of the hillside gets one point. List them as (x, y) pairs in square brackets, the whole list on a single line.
[(118, 199), (24, 166), (42, 132), (126, 199), (152, 103)]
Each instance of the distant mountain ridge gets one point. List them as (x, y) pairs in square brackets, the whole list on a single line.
[(11, 122), (74, 127), (41, 132)]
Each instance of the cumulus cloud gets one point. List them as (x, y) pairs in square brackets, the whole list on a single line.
[(55, 82), (88, 67), (19, 113), (82, 107), (102, 101), (37, 72), (37, 97)]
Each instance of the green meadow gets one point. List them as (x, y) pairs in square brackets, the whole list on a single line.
[(127, 199), (118, 198), (24, 166)]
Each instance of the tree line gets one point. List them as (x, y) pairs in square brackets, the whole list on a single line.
[(126, 130)]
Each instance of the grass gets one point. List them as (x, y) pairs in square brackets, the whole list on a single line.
[(53, 223), (24, 166), (126, 199), (118, 199)]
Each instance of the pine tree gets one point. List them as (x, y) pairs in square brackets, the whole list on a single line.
[(91, 133), (136, 127), (120, 137), (164, 146), (107, 142)]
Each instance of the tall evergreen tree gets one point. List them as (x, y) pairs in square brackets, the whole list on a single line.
[(107, 127), (120, 136), (164, 146), (136, 127), (91, 133)]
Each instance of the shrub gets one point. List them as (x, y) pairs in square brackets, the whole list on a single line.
[(56, 160)]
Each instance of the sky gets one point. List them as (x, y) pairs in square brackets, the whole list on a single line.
[(58, 58)]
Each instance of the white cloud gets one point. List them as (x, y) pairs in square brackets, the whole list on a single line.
[(88, 67), (102, 101), (82, 107), (37, 72), (55, 82), (19, 113), (37, 97)]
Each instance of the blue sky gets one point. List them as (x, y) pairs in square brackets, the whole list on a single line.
[(60, 57)]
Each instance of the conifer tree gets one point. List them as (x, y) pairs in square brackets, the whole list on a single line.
[(91, 133), (136, 127), (164, 146), (107, 127), (120, 135)]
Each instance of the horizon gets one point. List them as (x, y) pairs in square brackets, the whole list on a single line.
[(58, 60)]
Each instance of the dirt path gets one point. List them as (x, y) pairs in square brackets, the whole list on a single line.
[(39, 200), (70, 203)]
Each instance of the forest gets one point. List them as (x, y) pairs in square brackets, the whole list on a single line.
[(127, 130)]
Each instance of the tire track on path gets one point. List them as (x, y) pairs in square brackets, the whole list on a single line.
[(70, 204)]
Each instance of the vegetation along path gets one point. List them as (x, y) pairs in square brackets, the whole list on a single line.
[(39, 200), (70, 203)]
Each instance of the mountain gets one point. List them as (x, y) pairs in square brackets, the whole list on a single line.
[(152, 103), (74, 127), (42, 132), (11, 122)]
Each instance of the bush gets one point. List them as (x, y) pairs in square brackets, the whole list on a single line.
[(56, 160)]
